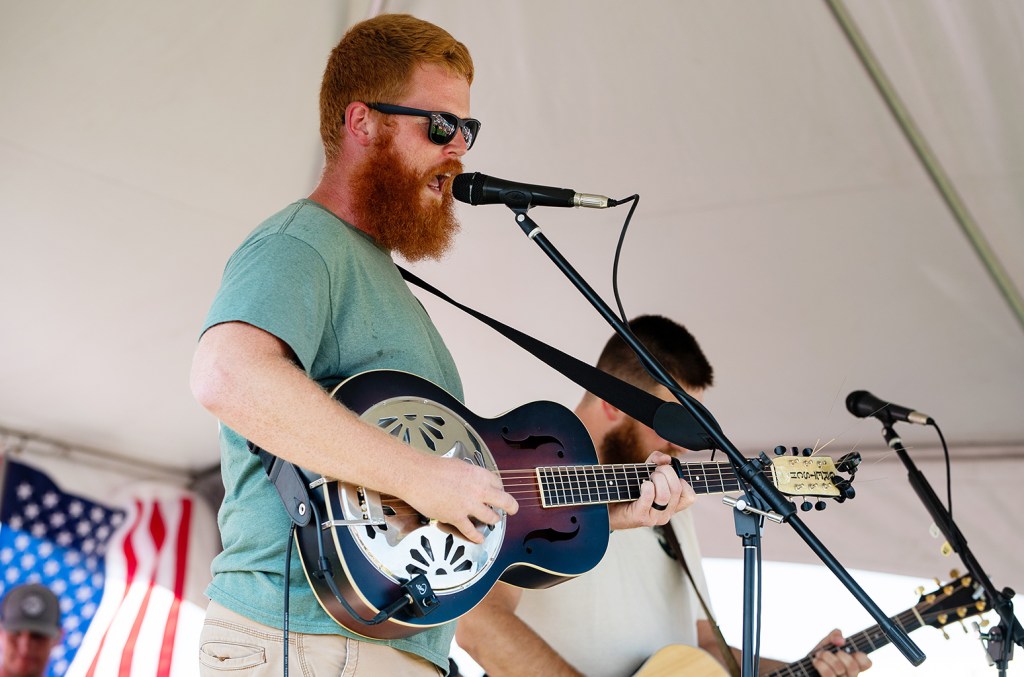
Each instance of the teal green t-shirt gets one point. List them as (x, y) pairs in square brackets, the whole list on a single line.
[(338, 300)]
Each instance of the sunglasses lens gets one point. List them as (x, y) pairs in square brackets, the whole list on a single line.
[(442, 127), (470, 129)]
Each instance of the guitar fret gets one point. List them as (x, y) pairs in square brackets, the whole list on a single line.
[(611, 483)]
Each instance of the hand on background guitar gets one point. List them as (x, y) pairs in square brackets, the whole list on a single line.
[(664, 488), (830, 663)]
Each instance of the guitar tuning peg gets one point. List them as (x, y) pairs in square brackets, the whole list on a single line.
[(849, 463), (780, 450), (964, 626), (794, 451), (920, 590), (954, 573), (820, 505), (806, 506), (808, 451)]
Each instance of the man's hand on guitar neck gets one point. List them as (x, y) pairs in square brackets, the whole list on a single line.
[(832, 663), (665, 489)]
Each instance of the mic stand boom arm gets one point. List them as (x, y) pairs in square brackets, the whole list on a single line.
[(1001, 601), (670, 421)]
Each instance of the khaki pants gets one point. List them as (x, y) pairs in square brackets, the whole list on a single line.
[(232, 645)]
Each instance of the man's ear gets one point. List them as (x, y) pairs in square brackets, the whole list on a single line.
[(611, 413), (359, 124)]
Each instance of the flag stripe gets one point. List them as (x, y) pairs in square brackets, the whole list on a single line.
[(158, 532), (132, 565), (170, 630)]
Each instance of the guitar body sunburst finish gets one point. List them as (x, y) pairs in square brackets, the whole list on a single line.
[(535, 548)]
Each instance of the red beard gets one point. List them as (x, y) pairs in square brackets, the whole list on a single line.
[(389, 205)]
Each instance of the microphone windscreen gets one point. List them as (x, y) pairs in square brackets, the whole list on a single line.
[(462, 188), (860, 403)]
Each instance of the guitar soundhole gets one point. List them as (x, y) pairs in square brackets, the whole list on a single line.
[(453, 560)]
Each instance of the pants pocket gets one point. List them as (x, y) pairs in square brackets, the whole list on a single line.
[(231, 656)]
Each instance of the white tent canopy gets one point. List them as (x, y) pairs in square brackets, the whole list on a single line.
[(785, 218)]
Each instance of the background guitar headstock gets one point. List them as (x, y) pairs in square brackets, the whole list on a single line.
[(954, 601)]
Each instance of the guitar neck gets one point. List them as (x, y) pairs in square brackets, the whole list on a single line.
[(865, 641), (614, 483)]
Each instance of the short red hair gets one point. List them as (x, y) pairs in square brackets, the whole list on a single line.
[(374, 62)]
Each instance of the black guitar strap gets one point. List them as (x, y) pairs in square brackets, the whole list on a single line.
[(635, 402)]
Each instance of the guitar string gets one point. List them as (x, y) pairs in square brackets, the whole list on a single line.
[(594, 486), (873, 638)]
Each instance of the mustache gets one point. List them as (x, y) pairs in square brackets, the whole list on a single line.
[(450, 167)]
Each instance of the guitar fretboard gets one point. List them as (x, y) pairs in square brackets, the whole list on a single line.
[(613, 483), (952, 602)]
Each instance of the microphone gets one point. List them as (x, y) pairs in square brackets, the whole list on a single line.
[(480, 189), (861, 403)]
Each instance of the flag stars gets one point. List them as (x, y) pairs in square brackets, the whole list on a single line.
[(31, 511), (75, 508), (50, 500), (24, 490), (64, 539)]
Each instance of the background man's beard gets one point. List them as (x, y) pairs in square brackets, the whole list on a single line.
[(389, 205), (621, 444)]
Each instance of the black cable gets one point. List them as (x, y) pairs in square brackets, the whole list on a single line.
[(635, 199), (949, 480), (287, 586), (324, 570)]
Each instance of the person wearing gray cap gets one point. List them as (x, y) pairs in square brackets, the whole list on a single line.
[(29, 630)]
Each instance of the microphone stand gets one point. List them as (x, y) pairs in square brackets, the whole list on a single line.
[(675, 424), (1008, 632)]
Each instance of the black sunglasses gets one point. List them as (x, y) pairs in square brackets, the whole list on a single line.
[(442, 126)]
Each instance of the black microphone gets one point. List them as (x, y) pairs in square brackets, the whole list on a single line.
[(480, 189), (861, 403)]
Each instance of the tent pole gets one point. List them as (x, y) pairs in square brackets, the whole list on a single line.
[(931, 163)]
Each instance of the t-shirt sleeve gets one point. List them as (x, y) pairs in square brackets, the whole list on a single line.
[(279, 284)]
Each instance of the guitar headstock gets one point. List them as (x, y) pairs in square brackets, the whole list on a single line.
[(954, 601), (806, 474)]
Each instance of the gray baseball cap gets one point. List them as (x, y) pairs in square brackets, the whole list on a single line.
[(31, 607)]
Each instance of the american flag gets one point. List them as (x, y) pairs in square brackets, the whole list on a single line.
[(59, 540), (124, 574)]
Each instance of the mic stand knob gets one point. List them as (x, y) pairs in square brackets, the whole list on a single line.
[(742, 505)]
